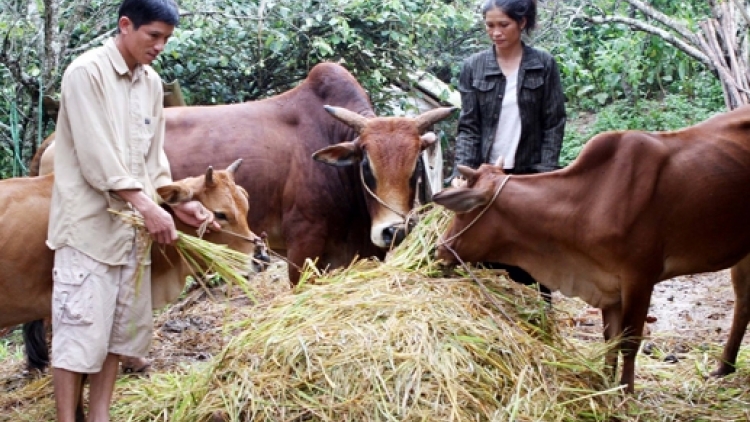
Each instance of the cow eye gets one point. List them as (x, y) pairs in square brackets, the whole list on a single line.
[(367, 173), (220, 215)]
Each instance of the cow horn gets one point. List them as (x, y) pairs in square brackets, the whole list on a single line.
[(210, 176), (355, 120), (233, 167), (430, 117)]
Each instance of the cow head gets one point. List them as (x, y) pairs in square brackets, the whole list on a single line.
[(228, 202), (468, 234), (386, 151)]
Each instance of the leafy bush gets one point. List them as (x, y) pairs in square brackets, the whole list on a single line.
[(674, 112)]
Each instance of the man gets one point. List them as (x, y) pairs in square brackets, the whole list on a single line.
[(109, 154)]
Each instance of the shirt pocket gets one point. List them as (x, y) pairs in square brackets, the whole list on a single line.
[(148, 131), (73, 296), (532, 91), (485, 91)]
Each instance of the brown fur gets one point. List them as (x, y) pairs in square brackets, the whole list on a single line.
[(634, 209), (26, 279)]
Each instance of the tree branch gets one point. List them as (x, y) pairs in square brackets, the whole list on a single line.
[(743, 11), (662, 18), (665, 35)]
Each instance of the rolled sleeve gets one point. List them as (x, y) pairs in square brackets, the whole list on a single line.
[(122, 183)]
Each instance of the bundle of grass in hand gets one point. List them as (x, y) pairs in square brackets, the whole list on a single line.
[(202, 256)]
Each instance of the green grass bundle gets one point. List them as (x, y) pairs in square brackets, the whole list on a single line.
[(204, 257)]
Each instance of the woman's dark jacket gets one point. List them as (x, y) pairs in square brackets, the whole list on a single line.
[(541, 105)]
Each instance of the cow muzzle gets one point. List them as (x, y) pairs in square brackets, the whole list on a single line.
[(394, 234), (447, 262), (261, 259)]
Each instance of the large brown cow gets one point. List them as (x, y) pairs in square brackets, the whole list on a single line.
[(26, 279), (634, 209), (354, 206), (353, 201)]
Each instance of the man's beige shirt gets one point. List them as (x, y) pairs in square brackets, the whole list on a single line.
[(109, 137)]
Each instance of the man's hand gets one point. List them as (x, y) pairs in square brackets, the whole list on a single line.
[(193, 213), (159, 223)]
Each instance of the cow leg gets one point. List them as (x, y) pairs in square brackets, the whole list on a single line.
[(303, 242), (634, 311), (612, 321), (35, 345), (741, 285), (295, 260)]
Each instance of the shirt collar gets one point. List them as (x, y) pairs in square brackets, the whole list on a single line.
[(530, 60), (118, 62)]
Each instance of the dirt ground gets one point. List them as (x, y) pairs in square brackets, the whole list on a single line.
[(686, 312)]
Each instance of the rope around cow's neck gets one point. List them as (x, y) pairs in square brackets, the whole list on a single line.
[(482, 287), (376, 197), (202, 230), (444, 242)]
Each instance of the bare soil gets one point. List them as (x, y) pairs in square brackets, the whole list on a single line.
[(686, 312)]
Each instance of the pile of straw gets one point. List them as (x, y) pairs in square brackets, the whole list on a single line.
[(388, 342)]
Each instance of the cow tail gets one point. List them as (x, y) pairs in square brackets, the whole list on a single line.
[(35, 345)]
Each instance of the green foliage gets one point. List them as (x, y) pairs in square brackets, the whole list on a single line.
[(11, 346), (673, 112), (227, 51), (244, 53), (604, 63)]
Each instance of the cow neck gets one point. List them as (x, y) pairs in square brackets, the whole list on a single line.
[(481, 213)]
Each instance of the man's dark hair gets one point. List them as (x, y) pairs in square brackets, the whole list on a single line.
[(142, 12)]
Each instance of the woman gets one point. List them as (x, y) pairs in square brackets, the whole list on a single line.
[(512, 103)]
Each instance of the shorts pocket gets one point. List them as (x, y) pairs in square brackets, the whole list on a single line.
[(73, 296)]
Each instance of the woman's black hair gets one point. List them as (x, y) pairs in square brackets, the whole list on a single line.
[(142, 12), (515, 9)]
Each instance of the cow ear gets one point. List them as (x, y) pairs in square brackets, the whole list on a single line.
[(428, 139), (339, 155), (175, 193), (461, 199), (469, 174)]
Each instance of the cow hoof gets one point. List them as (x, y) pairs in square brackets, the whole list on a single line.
[(722, 371)]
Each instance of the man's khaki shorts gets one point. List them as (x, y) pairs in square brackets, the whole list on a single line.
[(96, 310)]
